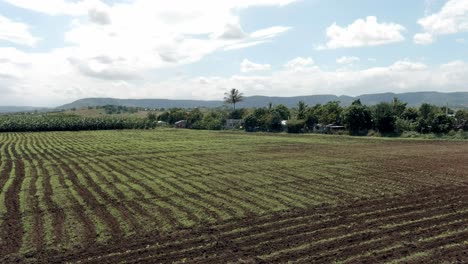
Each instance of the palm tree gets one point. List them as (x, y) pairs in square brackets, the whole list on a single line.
[(301, 110), (233, 97)]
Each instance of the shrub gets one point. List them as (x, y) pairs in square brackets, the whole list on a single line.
[(250, 123), (296, 126)]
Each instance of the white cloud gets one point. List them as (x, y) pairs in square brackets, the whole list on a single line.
[(118, 47), (16, 32), (451, 19), (423, 39), (407, 65), (233, 31), (249, 66), (115, 50), (269, 32), (347, 60), (48, 79), (151, 34), (299, 64), (401, 76), (58, 7), (360, 33), (99, 16)]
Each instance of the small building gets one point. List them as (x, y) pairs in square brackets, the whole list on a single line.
[(332, 128), (181, 124), (233, 123)]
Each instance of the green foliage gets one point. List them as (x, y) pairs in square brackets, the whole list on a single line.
[(301, 110), (357, 118), (461, 120), (404, 125), (427, 113), (173, 115), (250, 123), (152, 116), (283, 111), (410, 114), (164, 117), (330, 113), (194, 117), (213, 120), (398, 107), (70, 123), (273, 121), (392, 118), (442, 123), (384, 118), (119, 109), (312, 115), (296, 126), (233, 97), (236, 114)]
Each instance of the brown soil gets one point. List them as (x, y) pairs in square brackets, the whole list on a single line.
[(423, 221), (12, 227)]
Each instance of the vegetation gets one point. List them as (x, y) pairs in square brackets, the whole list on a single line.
[(233, 97), (170, 195), (62, 122), (385, 119)]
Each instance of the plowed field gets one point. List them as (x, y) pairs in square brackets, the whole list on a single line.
[(168, 196)]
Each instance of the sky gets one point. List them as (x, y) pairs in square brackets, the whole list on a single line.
[(56, 51)]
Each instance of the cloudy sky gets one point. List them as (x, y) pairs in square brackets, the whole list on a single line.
[(55, 51)]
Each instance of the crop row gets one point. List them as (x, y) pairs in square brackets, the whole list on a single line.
[(406, 227), (72, 190)]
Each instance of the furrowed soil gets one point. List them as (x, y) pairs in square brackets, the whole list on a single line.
[(179, 196)]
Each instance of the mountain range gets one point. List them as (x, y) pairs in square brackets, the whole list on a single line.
[(454, 100)]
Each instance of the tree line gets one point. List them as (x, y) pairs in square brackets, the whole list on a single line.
[(386, 118)]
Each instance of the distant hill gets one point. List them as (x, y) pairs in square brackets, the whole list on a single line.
[(455, 100), (149, 103), (18, 109)]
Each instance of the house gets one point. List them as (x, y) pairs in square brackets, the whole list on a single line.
[(181, 124), (233, 123)]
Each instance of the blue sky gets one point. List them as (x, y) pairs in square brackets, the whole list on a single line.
[(56, 51)]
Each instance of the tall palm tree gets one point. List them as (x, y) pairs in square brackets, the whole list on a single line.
[(233, 97)]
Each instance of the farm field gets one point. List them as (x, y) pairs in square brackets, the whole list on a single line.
[(168, 196)]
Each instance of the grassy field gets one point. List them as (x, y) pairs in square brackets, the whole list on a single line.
[(200, 196)]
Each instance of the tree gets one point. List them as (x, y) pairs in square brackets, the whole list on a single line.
[(384, 118), (312, 117), (410, 114), (250, 123), (427, 113), (301, 110), (357, 118), (233, 97), (442, 123), (194, 117), (461, 117), (398, 107), (152, 116), (283, 111), (330, 113), (273, 121)]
